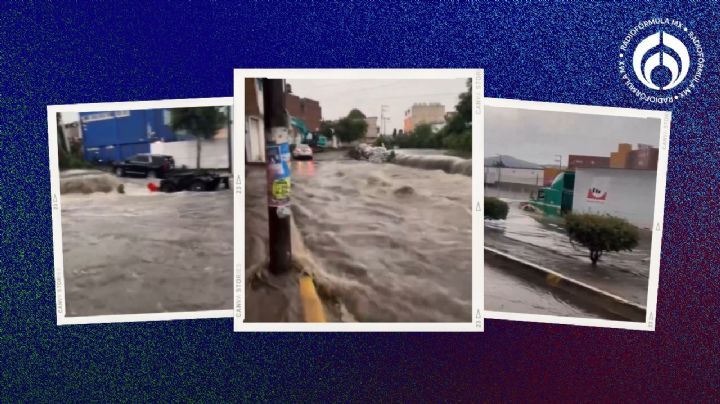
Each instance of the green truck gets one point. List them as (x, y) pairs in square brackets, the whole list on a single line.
[(557, 199), (315, 141)]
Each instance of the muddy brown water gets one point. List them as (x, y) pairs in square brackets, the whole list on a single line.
[(392, 243), (143, 252)]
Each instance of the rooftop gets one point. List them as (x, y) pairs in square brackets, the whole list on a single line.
[(510, 162)]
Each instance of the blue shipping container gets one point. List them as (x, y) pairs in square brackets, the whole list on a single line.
[(117, 135)]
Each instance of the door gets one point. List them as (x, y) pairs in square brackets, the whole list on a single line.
[(254, 141)]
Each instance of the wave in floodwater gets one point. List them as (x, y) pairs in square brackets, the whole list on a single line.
[(145, 252), (448, 164), (391, 243)]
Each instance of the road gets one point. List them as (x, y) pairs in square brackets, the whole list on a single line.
[(143, 252), (505, 292), (393, 242)]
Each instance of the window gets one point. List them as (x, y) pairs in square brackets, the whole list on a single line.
[(167, 116), (97, 116)]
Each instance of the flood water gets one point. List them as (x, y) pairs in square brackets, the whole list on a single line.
[(393, 243), (143, 252), (547, 232), (507, 293)]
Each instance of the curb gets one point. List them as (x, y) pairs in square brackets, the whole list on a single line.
[(589, 295), (313, 309)]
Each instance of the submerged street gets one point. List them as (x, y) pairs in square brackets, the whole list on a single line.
[(541, 240), (393, 243), (143, 252)]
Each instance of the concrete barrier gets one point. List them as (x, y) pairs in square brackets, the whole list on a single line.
[(588, 295), (313, 309)]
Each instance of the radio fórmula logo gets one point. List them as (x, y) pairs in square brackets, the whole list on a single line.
[(661, 60)]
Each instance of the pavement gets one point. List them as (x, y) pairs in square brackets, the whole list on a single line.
[(617, 280)]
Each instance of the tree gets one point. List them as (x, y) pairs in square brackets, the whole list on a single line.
[(356, 114), (495, 208), (423, 136), (601, 233), (352, 127), (327, 128), (457, 134), (201, 122), (395, 132)]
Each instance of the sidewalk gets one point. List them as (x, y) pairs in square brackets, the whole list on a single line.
[(630, 285), (268, 297)]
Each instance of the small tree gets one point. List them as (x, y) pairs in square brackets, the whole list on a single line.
[(495, 208), (601, 233), (201, 122), (352, 127)]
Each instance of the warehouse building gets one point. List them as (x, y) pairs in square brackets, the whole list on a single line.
[(623, 192), (510, 173), (117, 135)]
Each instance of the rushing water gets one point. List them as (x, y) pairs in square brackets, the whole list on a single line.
[(393, 243), (143, 252)]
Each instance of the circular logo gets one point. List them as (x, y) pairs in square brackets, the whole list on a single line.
[(661, 60)]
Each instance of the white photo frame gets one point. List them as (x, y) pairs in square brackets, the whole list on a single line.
[(476, 318), (123, 108), (658, 215)]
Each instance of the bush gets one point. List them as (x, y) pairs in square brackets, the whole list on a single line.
[(601, 233), (67, 161), (495, 208)]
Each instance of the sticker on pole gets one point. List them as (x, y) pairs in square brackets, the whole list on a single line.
[(281, 189), (278, 175)]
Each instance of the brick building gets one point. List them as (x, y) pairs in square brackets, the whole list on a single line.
[(579, 161), (305, 109)]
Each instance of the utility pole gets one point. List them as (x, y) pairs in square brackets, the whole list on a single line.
[(229, 135), (382, 118), (558, 158), (278, 174)]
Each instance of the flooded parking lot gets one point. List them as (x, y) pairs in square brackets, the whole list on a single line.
[(541, 240), (147, 252), (393, 242)]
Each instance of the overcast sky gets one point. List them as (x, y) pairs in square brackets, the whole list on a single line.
[(338, 97), (537, 136)]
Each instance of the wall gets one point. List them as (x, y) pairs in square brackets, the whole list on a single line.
[(116, 135), (373, 131), (514, 176), (629, 194), (214, 153), (423, 113), (307, 110), (577, 161), (254, 122)]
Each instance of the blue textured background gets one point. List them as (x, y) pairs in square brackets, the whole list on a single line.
[(73, 53)]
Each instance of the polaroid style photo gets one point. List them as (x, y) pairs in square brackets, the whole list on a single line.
[(574, 199), (357, 206), (142, 210)]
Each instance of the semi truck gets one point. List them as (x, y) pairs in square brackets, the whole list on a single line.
[(556, 199)]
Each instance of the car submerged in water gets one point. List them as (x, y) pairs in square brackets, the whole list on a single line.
[(172, 180), (196, 181), (144, 165)]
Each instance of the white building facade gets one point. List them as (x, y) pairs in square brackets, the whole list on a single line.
[(626, 193)]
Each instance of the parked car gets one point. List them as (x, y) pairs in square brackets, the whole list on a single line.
[(145, 165), (197, 181), (302, 151)]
